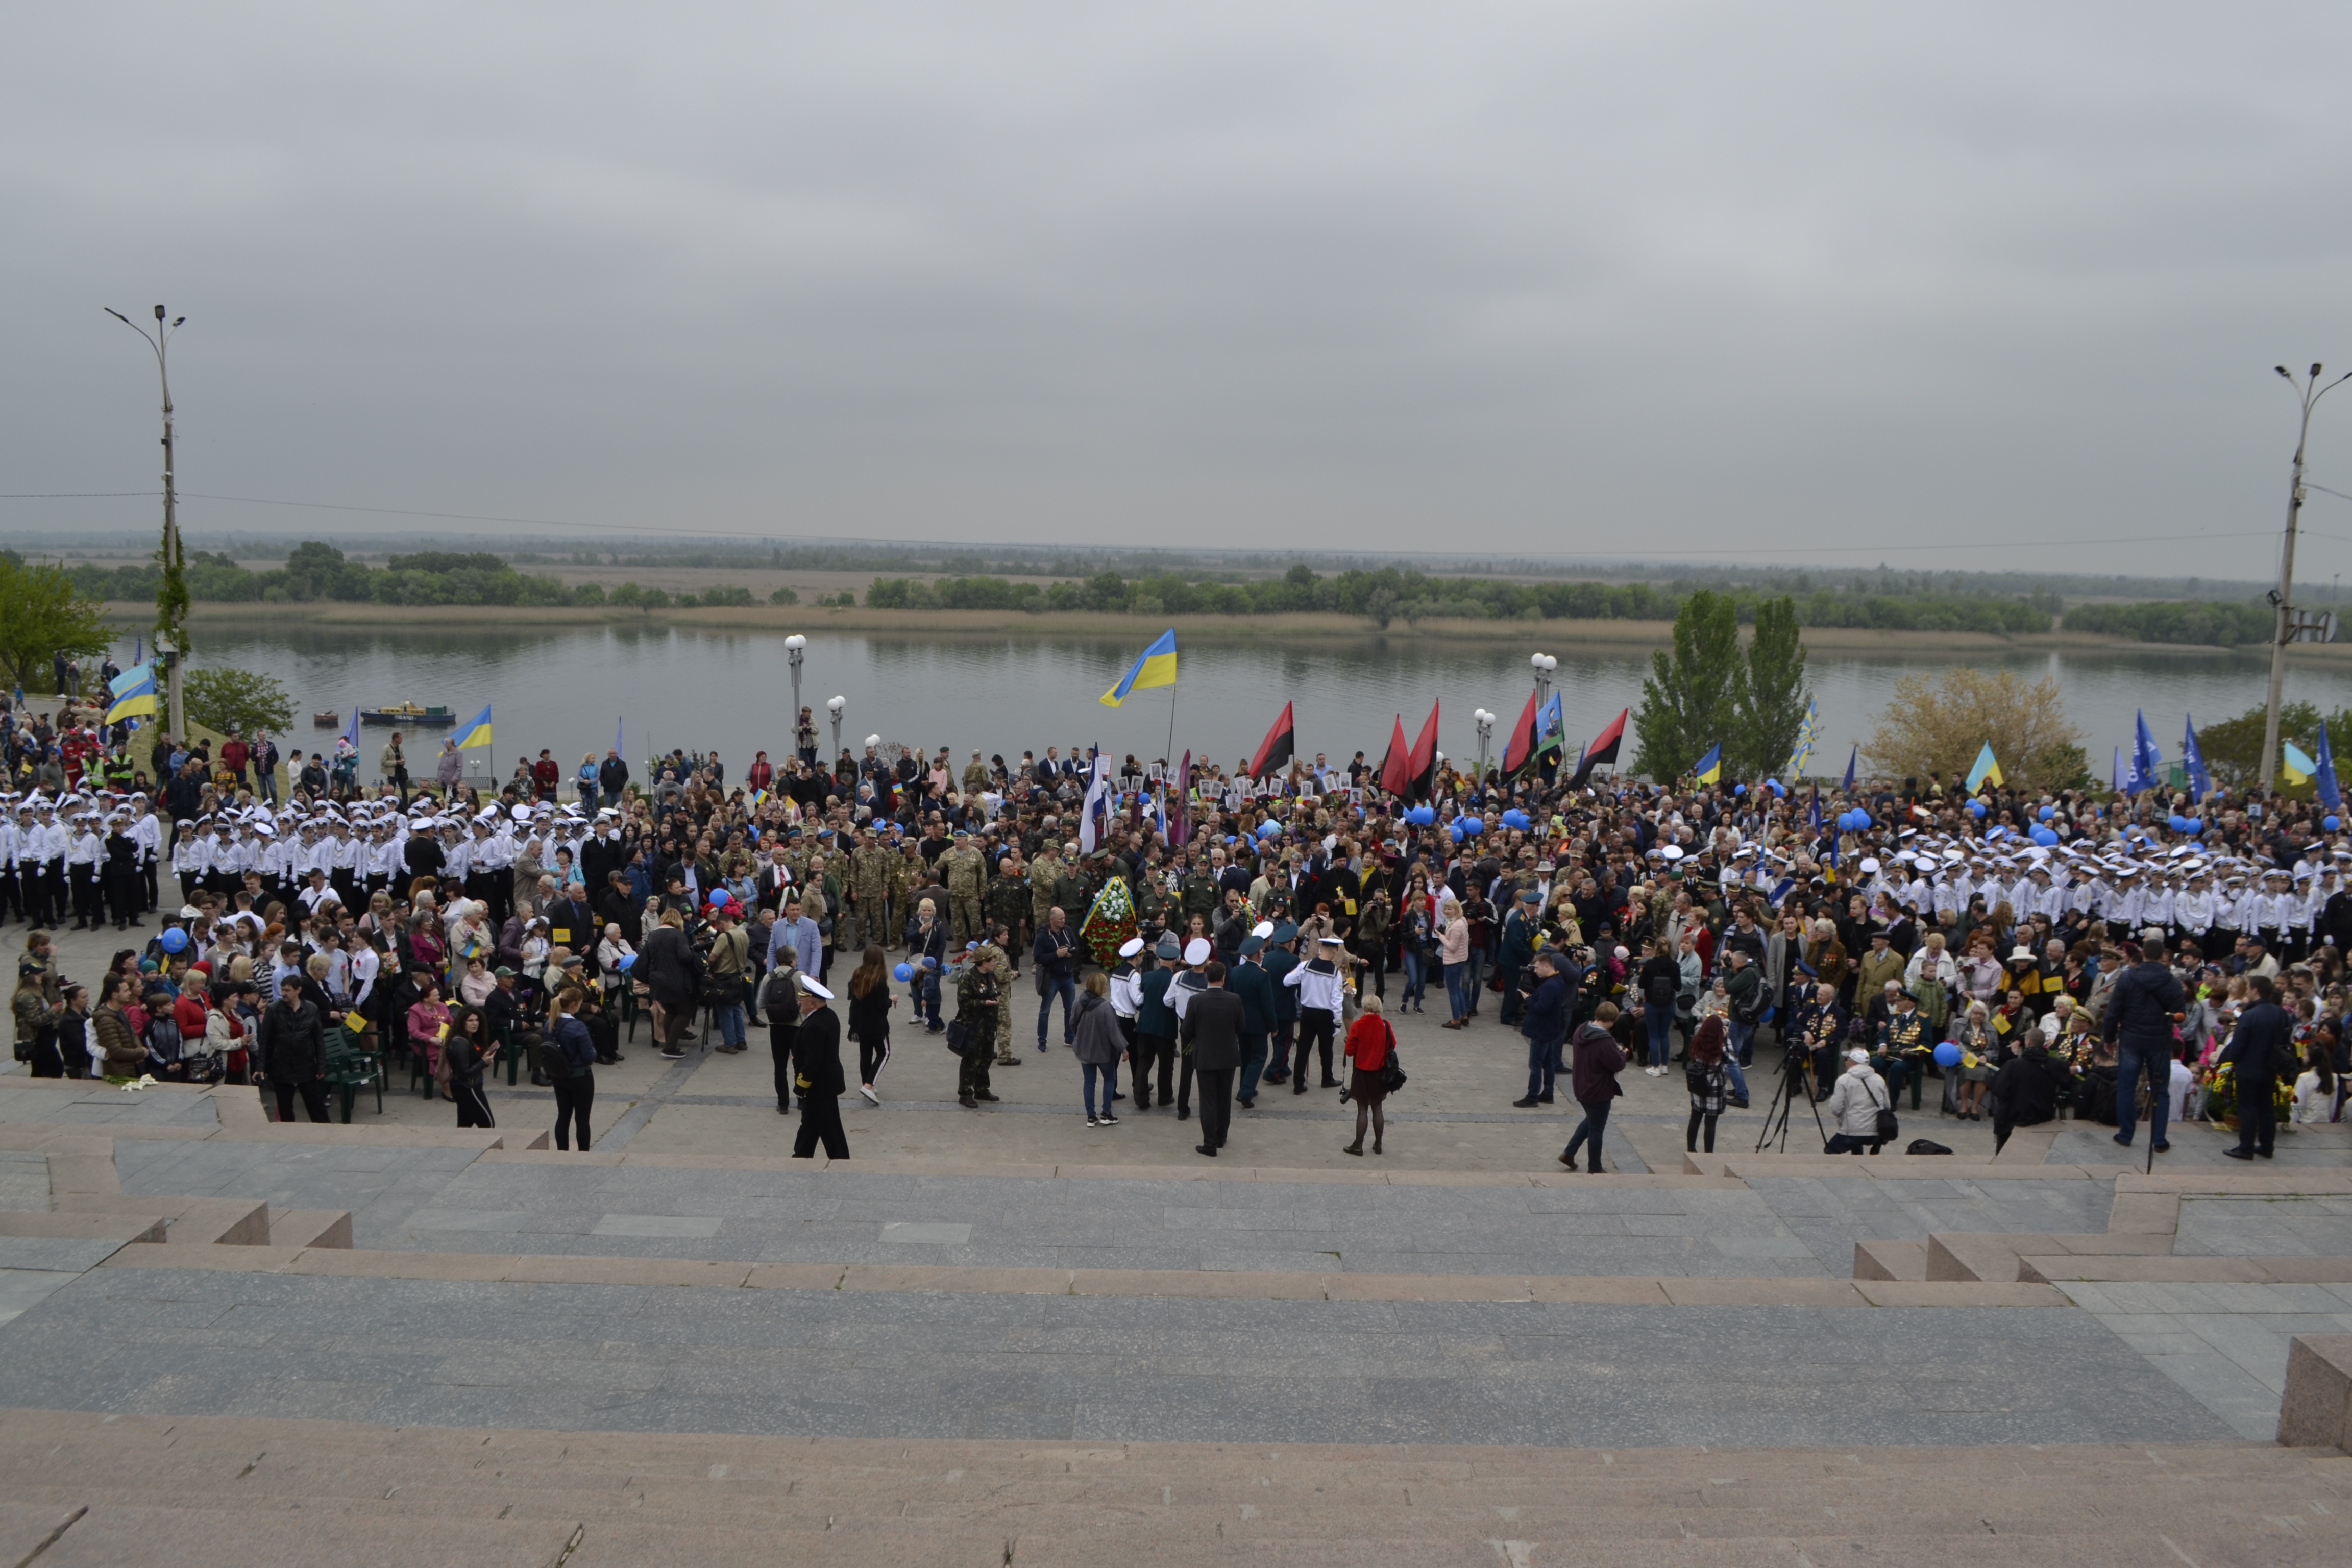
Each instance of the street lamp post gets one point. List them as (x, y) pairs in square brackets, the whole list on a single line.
[(1486, 722), (172, 600), (833, 706), (1543, 664), (2310, 391), (795, 648)]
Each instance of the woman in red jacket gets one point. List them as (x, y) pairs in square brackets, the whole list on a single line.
[(1370, 1041)]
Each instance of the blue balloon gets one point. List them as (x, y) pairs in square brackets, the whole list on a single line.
[(1268, 829), (2045, 837), (2196, 824), (2048, 812), (903, 973), (2331, 823), (1474, 826), (1976, 809), (173, 939), (1776, 786), (1947, 1055), (1739, 789), (1422, 816), (1517, 818)]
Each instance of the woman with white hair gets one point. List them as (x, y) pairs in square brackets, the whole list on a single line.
[(1454, 953)]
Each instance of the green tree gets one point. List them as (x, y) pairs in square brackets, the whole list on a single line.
[(784, 597), (1772, 704), (2234, 748), (241, 700), (42, 615), (1380, 604), (1693, 699)]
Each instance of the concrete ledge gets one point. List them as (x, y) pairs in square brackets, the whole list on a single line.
[(2192, 1270), (2317, 1409), (240, 1109), (1981, 1255), (311, 1227), (1901, 1168), (212, 1260), (1937, 1293), (2145, 1214), (1199, 1285), (2200, 1182), (1890, 1260), (205, 1222), (2027, 1146), (83, 1227)]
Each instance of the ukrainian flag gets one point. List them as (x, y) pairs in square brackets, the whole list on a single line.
[(133, 694), (1708, 769), (1155, 667), (2298, 764), (1987, 768), (475, 732)]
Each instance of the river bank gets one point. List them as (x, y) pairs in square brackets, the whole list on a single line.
[(1304, 629)]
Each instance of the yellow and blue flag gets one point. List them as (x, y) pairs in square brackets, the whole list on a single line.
[(1708, 769), (1807, 733), (475, 732), (1155, 667), (1987, 768), (2296, 763), (133, 694)]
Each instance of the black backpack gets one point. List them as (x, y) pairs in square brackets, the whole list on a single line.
[(1659, 991)]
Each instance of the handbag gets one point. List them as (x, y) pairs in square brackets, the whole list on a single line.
[(1889, 1126), (1391, 1071), (959, 1035)]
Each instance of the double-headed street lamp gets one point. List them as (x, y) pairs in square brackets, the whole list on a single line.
[(2289, 626), (795, 649), (834, 707), (1543, 664), (1486, 722), (170, 603)]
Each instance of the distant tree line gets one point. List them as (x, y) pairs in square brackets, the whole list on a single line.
[(1388, 594), (316, 571), (2212, 623)]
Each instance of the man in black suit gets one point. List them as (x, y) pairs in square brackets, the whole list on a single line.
[(2259, 1054), (1212, 1029)]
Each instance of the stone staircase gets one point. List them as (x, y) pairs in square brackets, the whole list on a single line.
[(256, 1493)]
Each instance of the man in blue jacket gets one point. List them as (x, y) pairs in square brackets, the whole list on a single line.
[(2142, 1010), (1247, 980), (1545, 1025)]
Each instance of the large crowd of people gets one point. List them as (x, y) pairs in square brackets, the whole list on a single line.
[(2033, 954)]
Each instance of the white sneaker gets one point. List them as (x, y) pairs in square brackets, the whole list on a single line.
[(866, 1090)]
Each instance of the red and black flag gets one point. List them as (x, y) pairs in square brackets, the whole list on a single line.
[(1603, 748), (1280, 745), (1424, 761), (1521, 745), (1396, 768)]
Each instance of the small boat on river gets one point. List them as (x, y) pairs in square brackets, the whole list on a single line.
[(410, 715)]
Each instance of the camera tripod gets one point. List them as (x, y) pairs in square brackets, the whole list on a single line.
[(1796, 1069)]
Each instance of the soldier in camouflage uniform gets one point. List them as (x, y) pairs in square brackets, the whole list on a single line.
[(870, 889), (1045, 881), (908, 876), (966, 875), (1197, 893), (992, 945), (979, 1007)]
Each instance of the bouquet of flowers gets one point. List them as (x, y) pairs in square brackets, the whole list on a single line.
[(1110, 920)]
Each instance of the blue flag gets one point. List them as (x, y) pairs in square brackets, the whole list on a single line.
[(2145, 759), (2193, 757), (2115, 774), (1852, 757), (2329, 795), (620, 728), (351, 730)]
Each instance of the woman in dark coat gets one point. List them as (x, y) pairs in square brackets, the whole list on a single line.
[(672, 972), (1704, 1079), (1594, 1061)]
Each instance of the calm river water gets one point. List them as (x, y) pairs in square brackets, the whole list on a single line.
[(568, 688)]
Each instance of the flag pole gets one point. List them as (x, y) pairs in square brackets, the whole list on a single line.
[(1171, 716)]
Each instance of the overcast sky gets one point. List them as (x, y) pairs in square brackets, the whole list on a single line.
[(1827, 282)]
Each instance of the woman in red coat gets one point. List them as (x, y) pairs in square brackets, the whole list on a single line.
[(1370, 1041)]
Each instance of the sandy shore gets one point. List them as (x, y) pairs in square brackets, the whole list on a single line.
[(1289, 628)]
